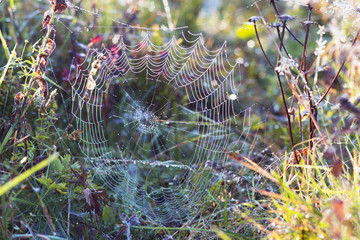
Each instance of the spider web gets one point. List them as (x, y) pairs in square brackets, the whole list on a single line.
[(152, 116), (157, 119)]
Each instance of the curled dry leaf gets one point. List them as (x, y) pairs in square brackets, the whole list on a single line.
[(75, 135), (18, 97), (93, 198), (42, 60), (300, 154), (81, 178), (17, 100)]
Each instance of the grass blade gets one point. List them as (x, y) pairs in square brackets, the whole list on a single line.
[(17, 180), (3, 42)]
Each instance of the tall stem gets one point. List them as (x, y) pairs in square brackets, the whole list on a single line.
[(282, 95), (303, 69)]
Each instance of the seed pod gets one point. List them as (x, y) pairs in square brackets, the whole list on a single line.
[(91, 84), (308, 23), (43, 61), (50, 46), (286, 17), (58, 5), (46, 20)]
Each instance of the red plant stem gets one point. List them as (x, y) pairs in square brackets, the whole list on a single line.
[(281, 37), (261, 47)]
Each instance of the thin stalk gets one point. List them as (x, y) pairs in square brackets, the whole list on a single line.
[(303, 69), (281, 37), (261, 47), (287, 116)]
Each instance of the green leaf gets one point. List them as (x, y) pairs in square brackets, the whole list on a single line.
[(45, 181), (75, 165), (60, 187), (108, 215), (65, 161), (58, 166)]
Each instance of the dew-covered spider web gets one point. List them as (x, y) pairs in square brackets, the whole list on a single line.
[(154, 117)]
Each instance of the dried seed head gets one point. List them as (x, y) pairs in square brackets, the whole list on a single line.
[(308, 23), (286, 17), (275, 24), (273, 1), (254, 19), (51, 98)]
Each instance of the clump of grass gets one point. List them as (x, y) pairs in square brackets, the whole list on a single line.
[(308, 207)]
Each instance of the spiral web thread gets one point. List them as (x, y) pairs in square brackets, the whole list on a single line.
[(157, 165)]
